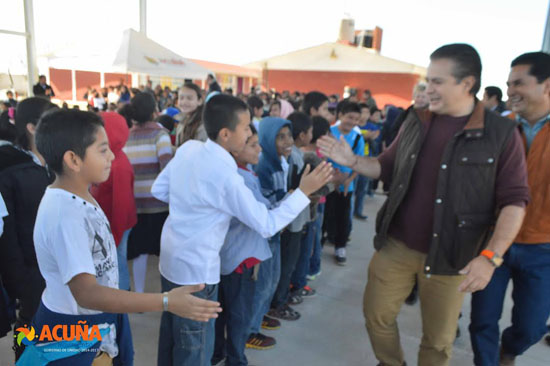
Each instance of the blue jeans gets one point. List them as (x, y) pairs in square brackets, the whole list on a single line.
[(236, 297), (268, 279), (360, 192), (184, 341), (121, 252), (528, 266), (315, 260), (298, 278)]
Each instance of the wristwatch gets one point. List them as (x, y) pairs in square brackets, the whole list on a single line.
[(493, 257)]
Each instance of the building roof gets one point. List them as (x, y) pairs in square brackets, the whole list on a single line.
[(335, 56)]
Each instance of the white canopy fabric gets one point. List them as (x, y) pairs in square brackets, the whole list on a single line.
[(139, 54), (135, 53)]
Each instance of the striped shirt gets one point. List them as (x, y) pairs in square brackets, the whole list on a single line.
[(149, 151)]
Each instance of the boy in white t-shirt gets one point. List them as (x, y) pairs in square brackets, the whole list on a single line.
[(74, 245)]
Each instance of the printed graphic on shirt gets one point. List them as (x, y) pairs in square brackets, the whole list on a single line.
[(103, 248)]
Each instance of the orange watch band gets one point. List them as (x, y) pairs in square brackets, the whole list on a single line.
[(488, 253)]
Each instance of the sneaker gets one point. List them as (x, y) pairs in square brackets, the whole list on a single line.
[(217, 361), (284, 312), (294, 299), (340, 256), (305, 291), (260, 342), (312, 277), (361, 217), (270, 323)]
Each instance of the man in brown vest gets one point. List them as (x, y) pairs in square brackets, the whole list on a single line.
[(457, 174), (527, 261)]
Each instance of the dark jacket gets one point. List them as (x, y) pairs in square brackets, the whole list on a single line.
[(214, 87), (39, 91), (465, 208), (22, 184)]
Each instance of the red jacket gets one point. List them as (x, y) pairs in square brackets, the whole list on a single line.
[(116, 194)]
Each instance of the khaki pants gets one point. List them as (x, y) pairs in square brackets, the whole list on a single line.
[(392, 273), (103, 359)]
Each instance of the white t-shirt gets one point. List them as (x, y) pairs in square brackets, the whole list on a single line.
[(72, 236), (3, 213)]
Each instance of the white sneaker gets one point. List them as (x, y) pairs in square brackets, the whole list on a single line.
[(340, 256), (340, 252)]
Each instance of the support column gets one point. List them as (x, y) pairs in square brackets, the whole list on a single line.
[(31, 46)]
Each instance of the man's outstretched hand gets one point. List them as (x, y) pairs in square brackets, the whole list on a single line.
[(337, 150)]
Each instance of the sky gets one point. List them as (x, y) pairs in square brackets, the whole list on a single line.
[(242, 31)]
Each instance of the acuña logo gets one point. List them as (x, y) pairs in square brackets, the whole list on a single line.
[(80, 331)]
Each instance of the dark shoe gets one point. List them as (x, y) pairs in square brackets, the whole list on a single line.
[(284, 312), (217, 361), (547, 339), (506, 359), (260, 342), (381, 364), (270, 323), (305, 292), (360, 217), (294, 299)]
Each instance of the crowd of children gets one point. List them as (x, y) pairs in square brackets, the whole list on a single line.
[(230, 192)]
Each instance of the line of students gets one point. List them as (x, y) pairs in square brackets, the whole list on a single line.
[(76, 250)]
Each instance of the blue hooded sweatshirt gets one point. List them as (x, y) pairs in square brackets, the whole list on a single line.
[(269, 169)]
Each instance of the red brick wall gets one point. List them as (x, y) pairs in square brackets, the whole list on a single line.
[(113, 79), (62, 83), (85, 79), (394, 88)]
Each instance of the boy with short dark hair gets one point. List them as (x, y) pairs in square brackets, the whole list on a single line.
[(316, 104), (339, 201), (362, 183), (302, 131), (76, 251), (205, 191)]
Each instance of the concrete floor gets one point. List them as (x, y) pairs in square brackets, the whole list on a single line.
[(331, 330)]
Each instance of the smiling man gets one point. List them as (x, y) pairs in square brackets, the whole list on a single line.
[(456, 170), (527, 262)]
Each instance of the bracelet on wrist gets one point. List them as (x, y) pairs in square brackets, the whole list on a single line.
[(165, 301)]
